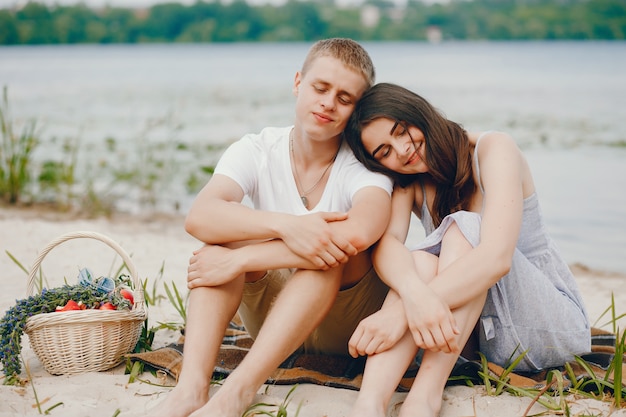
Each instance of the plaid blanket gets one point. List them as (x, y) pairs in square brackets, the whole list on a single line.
[(346, 372)]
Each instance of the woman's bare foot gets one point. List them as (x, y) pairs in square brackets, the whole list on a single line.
[(367, 407), (422, 404)]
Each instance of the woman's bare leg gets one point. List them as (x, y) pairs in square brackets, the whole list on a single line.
[(425, 396), (389, 366)]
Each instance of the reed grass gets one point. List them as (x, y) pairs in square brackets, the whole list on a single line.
[(16, 151), (101, 179), (272, 410), (554, 396), (38, 403), (619, 392), (151, 294), (40, 280), (57, 179), (501, 381), (177, 301), (614, 318)]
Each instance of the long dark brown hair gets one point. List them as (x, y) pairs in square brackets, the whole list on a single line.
[(448, 153)]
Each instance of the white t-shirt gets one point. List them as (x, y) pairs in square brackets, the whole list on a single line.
[(261, 165)]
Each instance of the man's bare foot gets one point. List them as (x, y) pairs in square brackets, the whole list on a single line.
[(226, 403), (179, 403)]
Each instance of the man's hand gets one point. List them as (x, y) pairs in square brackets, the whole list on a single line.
[(431, 322), (212, 265), (379, 332), (310, 237)]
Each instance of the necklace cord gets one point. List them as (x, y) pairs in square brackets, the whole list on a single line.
[(303, 195)]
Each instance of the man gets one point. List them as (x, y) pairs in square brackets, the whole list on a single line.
[(296, 265)]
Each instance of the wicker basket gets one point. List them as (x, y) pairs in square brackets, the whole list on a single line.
[(85, 340)]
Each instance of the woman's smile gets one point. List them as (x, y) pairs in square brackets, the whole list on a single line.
[(395, 145), (413, 158)]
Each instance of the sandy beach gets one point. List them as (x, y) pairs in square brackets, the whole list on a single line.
[(160, 243)]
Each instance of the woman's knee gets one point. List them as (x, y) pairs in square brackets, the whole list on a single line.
[(454, 237), (426, 264), (453, 246)]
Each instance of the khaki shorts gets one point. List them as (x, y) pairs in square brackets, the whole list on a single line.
[(332, 335)]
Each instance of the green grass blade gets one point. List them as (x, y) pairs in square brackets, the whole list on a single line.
[(177, 300), (618, 363), (18, 263)]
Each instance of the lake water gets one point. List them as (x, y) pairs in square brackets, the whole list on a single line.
[(564, 102)]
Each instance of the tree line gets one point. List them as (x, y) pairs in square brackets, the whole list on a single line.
[(375, 20)]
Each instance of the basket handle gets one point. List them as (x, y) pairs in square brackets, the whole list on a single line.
[(138, 290)]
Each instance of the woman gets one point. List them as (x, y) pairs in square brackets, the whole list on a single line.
[(487, 277)]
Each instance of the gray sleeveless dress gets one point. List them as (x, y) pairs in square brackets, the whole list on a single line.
[(536, 306)]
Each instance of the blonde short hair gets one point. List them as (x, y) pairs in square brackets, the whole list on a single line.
[(349, 52)]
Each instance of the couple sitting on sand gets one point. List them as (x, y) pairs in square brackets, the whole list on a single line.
[(319, 264)]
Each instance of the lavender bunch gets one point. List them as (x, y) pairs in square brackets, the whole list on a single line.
[(14, 320)]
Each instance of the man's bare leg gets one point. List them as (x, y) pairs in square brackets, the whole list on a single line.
[(209, 311), (299, 308)]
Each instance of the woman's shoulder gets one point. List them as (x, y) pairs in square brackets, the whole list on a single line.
[(493, 142), (498, 152), (489, 136)]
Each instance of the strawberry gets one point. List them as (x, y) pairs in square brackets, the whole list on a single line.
[(69, 306), (128, 294)]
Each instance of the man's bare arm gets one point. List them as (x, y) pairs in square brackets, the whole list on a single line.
[(218, 217), (365, 223)]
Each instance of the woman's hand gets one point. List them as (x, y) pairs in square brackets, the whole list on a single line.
[(431, 322), (211, 266), (311, 237), (379, 332)]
